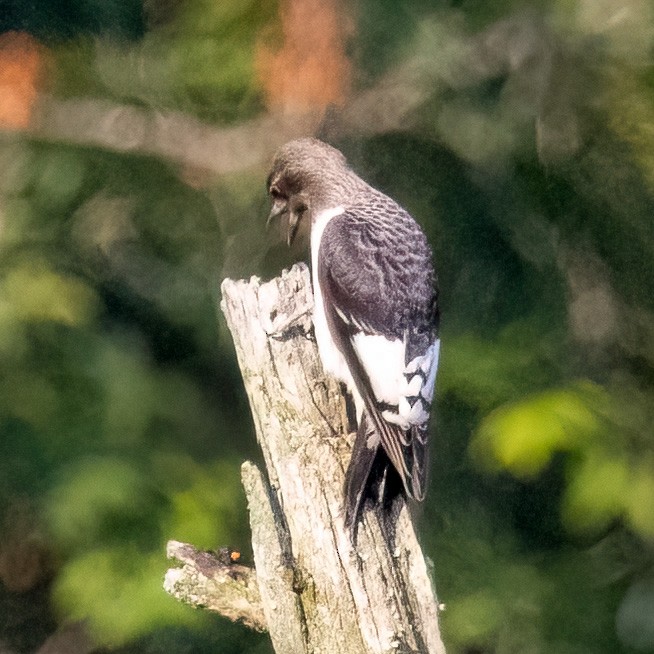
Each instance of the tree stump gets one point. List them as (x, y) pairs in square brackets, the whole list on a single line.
[(317, 591)]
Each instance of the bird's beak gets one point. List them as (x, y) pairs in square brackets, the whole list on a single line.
[(278, 208), (293, 221)]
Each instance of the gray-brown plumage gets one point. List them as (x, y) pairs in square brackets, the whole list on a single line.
[(376, 314)]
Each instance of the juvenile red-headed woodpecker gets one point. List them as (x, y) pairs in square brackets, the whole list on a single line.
[(375, 316)]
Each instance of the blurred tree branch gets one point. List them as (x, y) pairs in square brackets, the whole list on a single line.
[(183, 139), (175, 136)]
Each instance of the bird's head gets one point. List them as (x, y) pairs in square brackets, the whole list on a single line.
[(287, 200), (307, 175)]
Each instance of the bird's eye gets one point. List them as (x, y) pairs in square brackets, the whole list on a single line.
[(275, 193)]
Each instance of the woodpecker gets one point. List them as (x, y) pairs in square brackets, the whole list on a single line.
[(375, 315)]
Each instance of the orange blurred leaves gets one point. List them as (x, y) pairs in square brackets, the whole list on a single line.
[(21, 60), (311, 69)]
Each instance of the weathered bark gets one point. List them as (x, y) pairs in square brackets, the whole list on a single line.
[(318, 592), (366, 599)]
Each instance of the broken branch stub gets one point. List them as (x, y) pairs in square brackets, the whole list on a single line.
[(206, 581)]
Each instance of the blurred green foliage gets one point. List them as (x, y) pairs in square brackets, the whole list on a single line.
[(528, 159)]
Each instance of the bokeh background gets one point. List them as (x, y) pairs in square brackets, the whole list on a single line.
[(135, 137)]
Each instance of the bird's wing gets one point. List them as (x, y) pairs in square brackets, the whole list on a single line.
[(376, 277)]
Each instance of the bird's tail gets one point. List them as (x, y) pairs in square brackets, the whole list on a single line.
[(370, 475), (417, 456)]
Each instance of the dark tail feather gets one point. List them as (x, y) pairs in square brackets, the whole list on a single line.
[(419, 464), (370, 475), (364, 451)]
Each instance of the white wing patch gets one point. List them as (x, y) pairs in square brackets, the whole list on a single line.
[(410, 387), (429, 366), (383, 361)]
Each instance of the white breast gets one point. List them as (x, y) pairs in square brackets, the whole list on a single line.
[(332, 360)]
